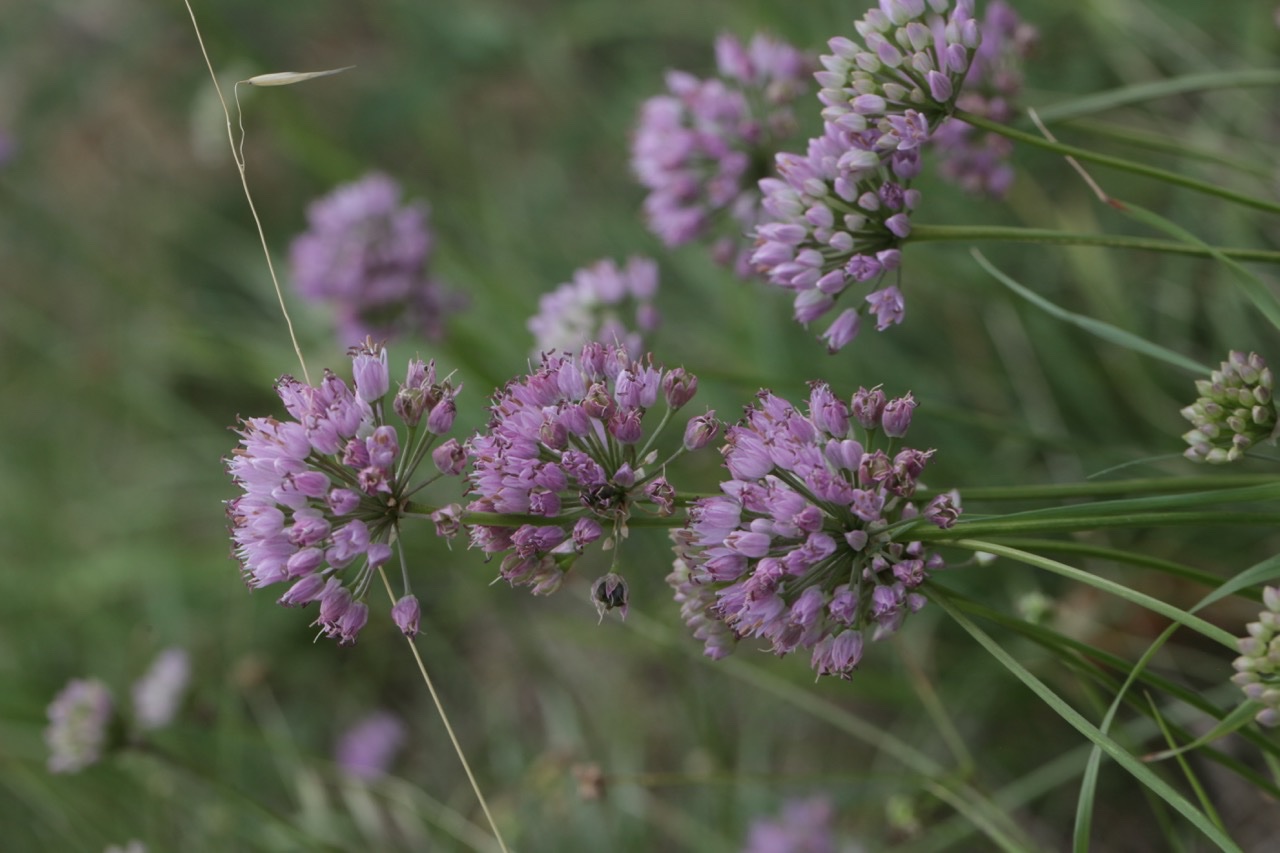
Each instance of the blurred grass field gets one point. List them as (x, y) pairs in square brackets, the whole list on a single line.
[(137, 321)]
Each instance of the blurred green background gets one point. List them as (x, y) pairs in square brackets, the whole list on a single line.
[(137, 321)]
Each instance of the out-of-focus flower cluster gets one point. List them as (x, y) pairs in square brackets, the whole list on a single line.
[(804, 826), (1234, 412), (80, 717), (1258, 667), (838, 213), (805, 547), (569, 443), (367, 749), (977, 161), (365, 254), (159, 692), (700, 149), (594, 305), (84, 722), (325, 490)]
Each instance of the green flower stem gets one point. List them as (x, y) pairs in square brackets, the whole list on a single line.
[(1080, 523), (1126, 95), (497, 519), (923, 233), (1119, 163), (1111, 488)]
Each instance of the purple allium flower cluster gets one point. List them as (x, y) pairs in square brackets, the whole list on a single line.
[(366, 254), (803, 548), (803, 827), (976, 161), (839, 213), (326, 490), (591, 306), (1258, 667), (158, 694), (1235, 410), (80, 718), (569, 453), (367, 749), (700, 149)]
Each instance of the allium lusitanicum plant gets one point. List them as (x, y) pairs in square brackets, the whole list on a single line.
[(825, 534), (324, 492), (809, 545)]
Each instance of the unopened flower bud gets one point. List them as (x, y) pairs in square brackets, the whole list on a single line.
[(867, 407), (679, 387), (405, 613), (896, 418), (441, 418), (450, 458), (701, 431), (369, 369)]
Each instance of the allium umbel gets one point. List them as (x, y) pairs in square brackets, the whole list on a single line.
[(1234, 412), (603, 303), (837, 222), (1258, 667), (324, 491), (365, 253), (905, 76), (809, 545), (569, 453), (700, 149)]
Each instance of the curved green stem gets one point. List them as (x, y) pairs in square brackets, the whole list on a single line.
[(923, 233), (1133, 596), (1111, 488), (1117, 163), (1077, 524)]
